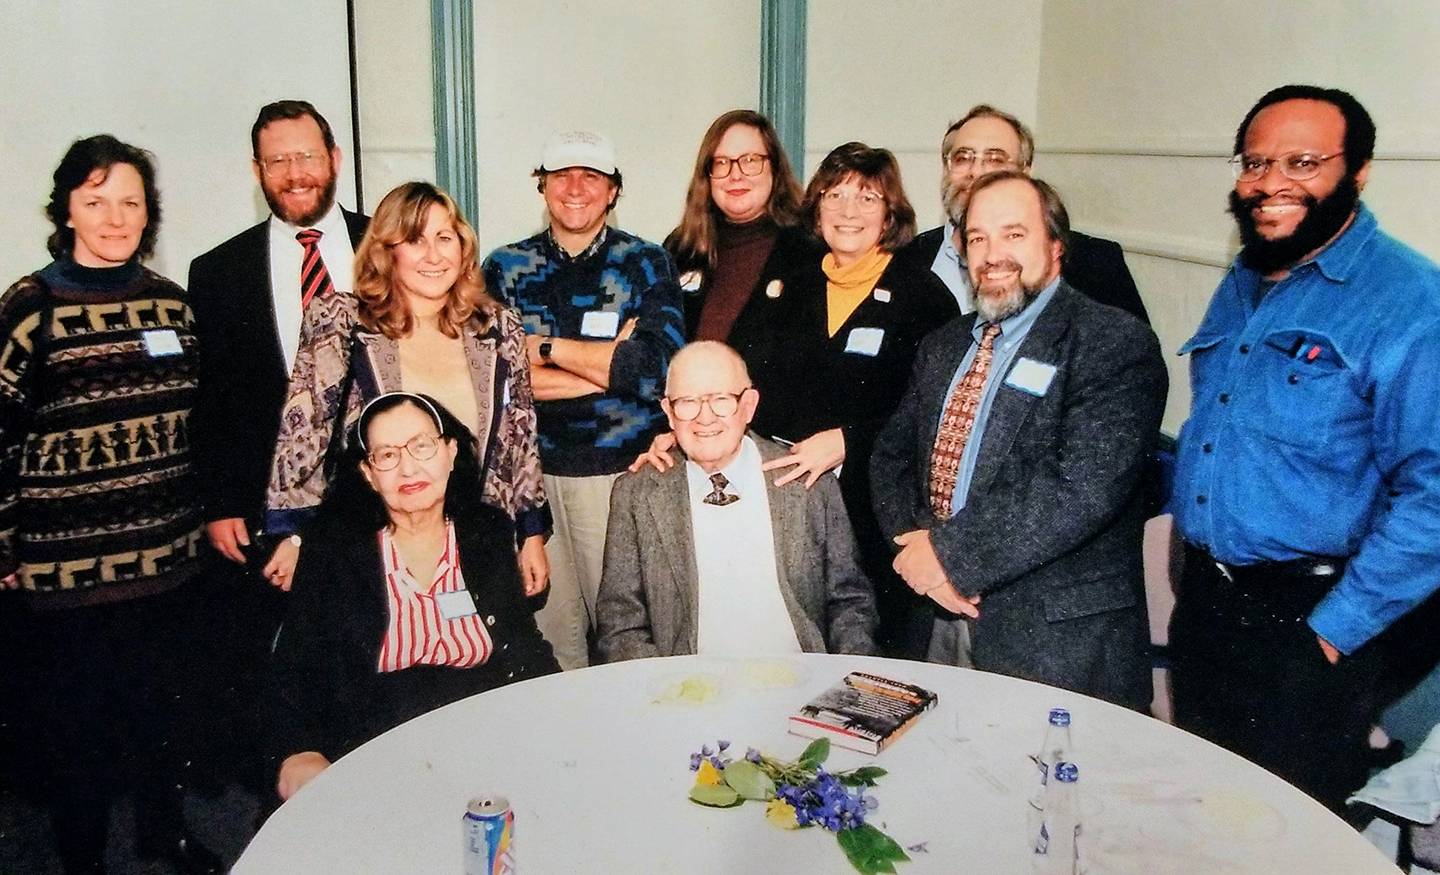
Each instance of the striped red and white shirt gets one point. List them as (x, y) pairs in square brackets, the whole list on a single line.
[(418, 634)]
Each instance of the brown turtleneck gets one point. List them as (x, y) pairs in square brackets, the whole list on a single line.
[(742, 251)]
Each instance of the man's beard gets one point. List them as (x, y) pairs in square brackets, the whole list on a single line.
[(952, 198), (327, 200), (1324, 217), (1014, 300)]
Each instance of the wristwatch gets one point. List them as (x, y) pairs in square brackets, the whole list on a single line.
[(546, 346), (294, 539)]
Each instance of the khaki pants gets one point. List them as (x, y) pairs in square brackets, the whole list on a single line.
[(581, 509)]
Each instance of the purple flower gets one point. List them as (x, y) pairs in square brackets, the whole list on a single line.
[(752, 755), (723, 745), (694, 762)]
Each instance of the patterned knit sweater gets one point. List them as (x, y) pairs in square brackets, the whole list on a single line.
[(589, 297), (97, 499)]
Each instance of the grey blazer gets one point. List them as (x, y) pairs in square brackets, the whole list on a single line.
[(649, 594), (1050, 535)]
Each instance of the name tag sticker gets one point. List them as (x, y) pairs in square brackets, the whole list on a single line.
[(1031, 376), (882, 295), (161, 342), (455, 605), (600, 323), (865, 341)]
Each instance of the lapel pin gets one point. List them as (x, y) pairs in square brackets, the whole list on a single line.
[(774, 288)]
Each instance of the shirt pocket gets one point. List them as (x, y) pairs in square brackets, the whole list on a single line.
[(1307, 384), (1201, 349)]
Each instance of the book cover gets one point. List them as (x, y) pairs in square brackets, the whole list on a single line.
[(864, 712)]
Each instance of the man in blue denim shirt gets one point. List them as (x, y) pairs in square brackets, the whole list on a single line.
[(1308, 485)]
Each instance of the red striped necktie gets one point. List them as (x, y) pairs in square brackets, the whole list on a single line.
[(314, 278)]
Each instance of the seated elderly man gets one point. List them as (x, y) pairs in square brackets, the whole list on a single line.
[(709, 556)]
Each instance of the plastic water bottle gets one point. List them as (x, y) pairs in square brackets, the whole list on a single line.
[(1057, 748), (1057, 845)]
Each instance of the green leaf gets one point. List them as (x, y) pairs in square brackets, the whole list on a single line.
[(815, 753), (721, 796), (865, 776), (748, 780), (869, 850)]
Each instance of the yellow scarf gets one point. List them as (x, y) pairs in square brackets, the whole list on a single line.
[(846, 287)]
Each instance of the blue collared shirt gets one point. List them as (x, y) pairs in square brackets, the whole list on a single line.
[(949, 265), (1315, 426), (1012, 334)]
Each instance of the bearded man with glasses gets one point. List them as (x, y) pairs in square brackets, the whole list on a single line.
[(1308, 483), (710, 556), (984, 141)]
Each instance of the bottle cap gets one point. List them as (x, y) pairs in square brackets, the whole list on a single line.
[(1067, 773), (1059, 717)]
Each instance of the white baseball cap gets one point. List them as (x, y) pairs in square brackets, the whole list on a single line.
[(578, 149)]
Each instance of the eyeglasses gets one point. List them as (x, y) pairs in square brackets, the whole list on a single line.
[(751, 164), (276, 165), (1298, 166), (722, 404), (866, 202), (422, 447), (990, 159)]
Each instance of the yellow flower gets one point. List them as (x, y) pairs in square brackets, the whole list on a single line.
[(781, 813), (708, 775)]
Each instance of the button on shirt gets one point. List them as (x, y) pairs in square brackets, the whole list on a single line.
[(286, 257), (1012, 334), (949, 265), (1315, 426), (741, 610)]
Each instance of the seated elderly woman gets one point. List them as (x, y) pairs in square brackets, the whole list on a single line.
[(409, 596)]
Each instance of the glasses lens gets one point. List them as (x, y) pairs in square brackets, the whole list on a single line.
[(723, 405), (720, 167), (1301, 167), (962, 158), (752, 164), (385, 458), (685, 409), (422, 447)]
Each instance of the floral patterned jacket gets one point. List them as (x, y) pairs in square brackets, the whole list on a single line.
[(338, 355)]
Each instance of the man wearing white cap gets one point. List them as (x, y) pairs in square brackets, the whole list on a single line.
[(602, 308)]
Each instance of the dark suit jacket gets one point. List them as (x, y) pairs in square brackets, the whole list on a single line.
[(243, 379), (328, 695), (1092, 265), (649, 596), (1050, 535)]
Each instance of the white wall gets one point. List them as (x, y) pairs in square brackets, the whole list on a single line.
[(1138, 105), (649, 74), (896, 74), (180, 79), (397, 124)]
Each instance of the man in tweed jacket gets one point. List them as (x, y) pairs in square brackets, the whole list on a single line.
[(709, 556), (1035, 536)]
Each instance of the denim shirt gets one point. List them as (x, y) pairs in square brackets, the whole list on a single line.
[(1315, 426)]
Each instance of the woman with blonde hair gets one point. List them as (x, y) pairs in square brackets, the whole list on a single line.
[(420, 321)]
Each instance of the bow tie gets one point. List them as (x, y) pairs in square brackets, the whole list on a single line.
[(718, 496)]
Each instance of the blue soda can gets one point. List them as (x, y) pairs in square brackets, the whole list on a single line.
[(489, 827)]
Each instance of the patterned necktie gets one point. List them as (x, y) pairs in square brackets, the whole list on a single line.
[(718, 496), (314, 278), (957, 423)]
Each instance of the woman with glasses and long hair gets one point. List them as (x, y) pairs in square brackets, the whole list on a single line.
[(419, 320), (407, 598), (740, 234)]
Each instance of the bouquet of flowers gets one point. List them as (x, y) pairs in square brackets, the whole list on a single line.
[(800, 794)]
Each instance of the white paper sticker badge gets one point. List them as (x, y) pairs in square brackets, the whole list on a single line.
[(865, 341), (161, 342), (882, 295), (455, 605), (600, 323), (1031, 376)]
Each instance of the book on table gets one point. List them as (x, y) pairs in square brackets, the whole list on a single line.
[(864, 712)]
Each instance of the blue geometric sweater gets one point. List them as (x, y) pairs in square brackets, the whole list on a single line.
[(618, 273)]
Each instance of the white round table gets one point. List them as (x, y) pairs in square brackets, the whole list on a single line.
[(595, 765)]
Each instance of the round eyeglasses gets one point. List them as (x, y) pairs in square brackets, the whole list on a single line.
[(422, 447), (866, 202), (277, 165), (721, 404), (1298, 166), (750, 164)]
